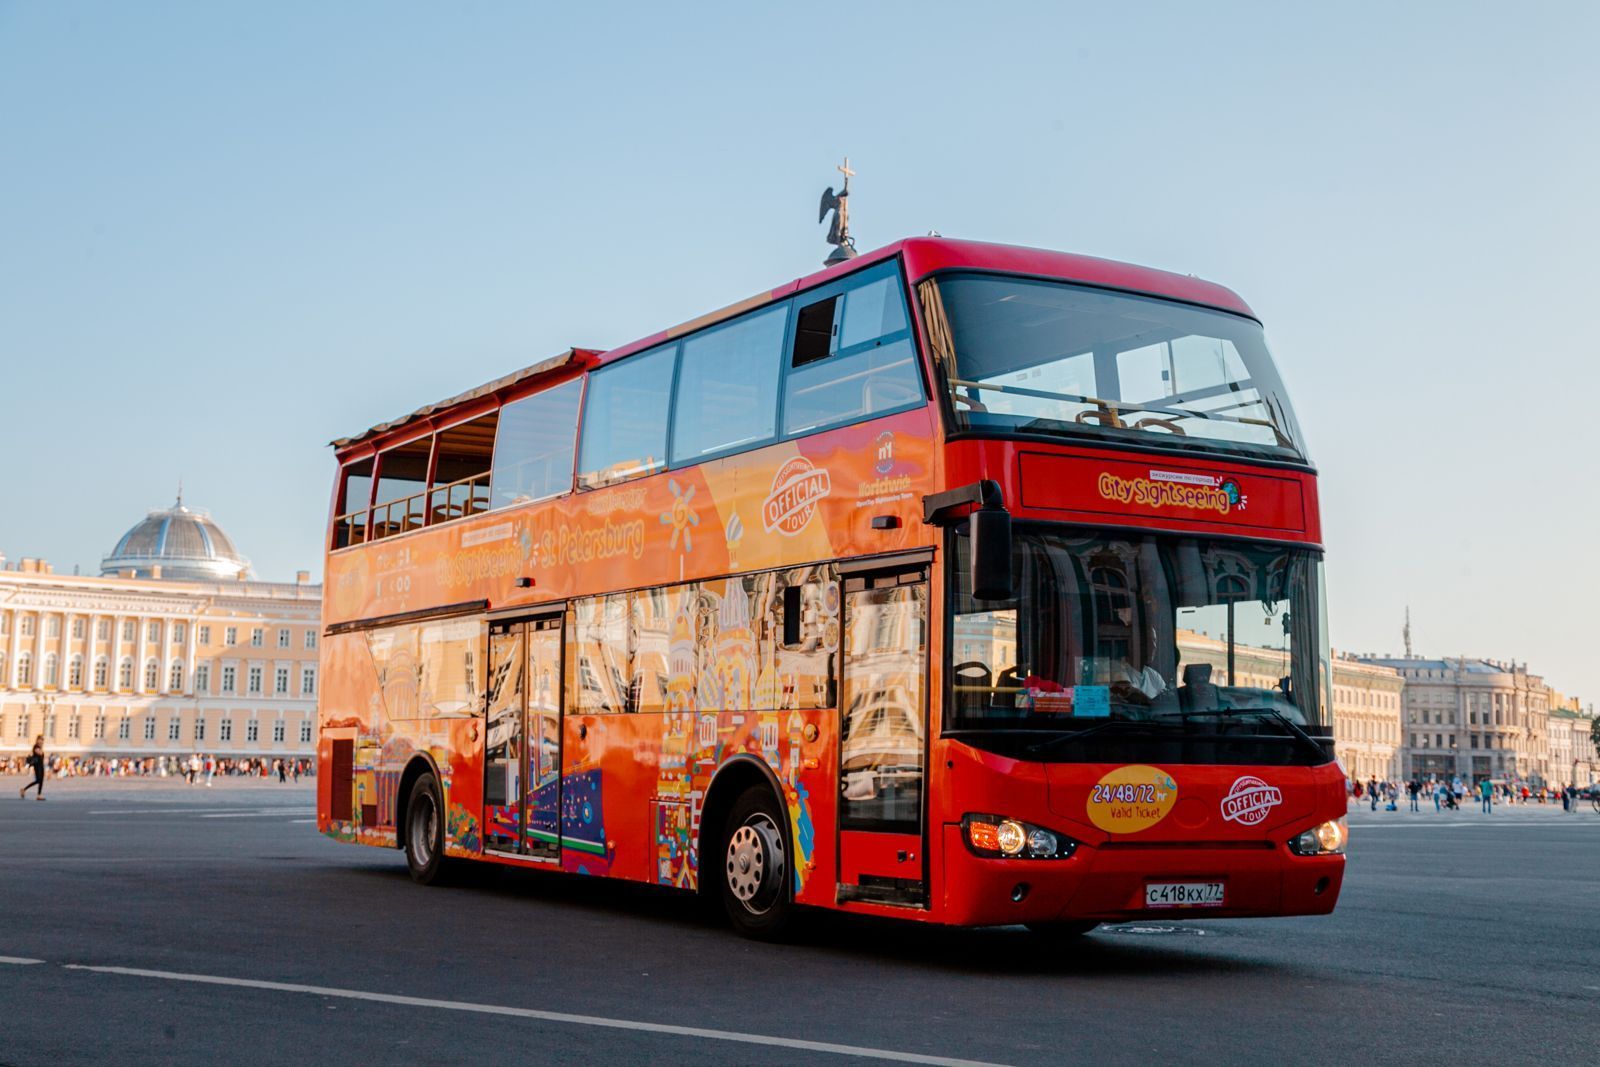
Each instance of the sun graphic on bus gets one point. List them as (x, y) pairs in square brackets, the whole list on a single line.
[(680, 516)]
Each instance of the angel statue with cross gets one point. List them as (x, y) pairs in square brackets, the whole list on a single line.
[(844, 246)]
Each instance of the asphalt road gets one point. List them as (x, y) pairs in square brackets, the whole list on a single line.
[(177, 925)]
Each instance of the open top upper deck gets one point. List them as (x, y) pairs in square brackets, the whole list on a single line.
[(990, 344)]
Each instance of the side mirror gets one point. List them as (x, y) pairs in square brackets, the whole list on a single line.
[(991, 553)]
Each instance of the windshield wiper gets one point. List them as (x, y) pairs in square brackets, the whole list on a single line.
[(1060, 739), (1278, 717)]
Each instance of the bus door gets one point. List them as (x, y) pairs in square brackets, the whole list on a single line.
[(522, 759), (883, 716)]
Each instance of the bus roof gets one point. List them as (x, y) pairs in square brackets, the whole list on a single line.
[(922, 255)]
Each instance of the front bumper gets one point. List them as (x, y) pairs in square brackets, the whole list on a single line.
[(1106, 884)]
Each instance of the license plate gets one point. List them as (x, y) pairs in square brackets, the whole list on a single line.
[(1183, 895)]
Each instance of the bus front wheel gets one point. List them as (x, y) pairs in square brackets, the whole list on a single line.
[(754, 867), (424, 832)]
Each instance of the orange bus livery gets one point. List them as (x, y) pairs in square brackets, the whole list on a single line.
[(958, 582)]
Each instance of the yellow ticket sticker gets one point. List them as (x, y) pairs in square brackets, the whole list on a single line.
[(1132, 798)]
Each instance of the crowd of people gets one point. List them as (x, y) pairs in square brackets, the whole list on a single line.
[(197, 768), (1453, 794)]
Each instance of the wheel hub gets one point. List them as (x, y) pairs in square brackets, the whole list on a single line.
[(756, 864)]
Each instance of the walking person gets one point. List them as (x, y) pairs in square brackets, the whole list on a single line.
[(1372, 792), (1438, 796), (36, 761), (1414, 787), (1486, 791)]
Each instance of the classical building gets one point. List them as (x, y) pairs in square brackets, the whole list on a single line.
[(1474, 718), (173, 649), (1367, 735)]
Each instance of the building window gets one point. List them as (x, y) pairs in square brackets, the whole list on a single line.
[(305, 732), (52, 626), (202, 678), (229, 684), (75, 672), (152, 674), (203, 635), (79, 628), (149, 727), (308, 682), (125, 675), (175, 677), (256, 637), (24, 670), (128, 630), (24, 724), (102, 629), (199, 727), (179, 632), (27, 625), (311, 639), (152, 632), (283, 638), (277, 731), (73, 727), (230, 636), (99, 727), (225, 732), (174, 724), (252, 731), (280, 682), (255, 679), (123, 726), (52, 670), (50, 726)]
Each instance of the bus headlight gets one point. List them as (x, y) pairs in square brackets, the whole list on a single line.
[(1328, 839), (999, 837)]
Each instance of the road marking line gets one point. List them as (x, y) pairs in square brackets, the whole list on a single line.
[(302, 820), (547, 1016), (147, 811), (251, 814), (20, 961)]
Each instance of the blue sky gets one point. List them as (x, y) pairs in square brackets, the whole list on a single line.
[(229, 234)]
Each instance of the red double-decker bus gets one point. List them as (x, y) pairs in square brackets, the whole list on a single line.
[(960, 583)]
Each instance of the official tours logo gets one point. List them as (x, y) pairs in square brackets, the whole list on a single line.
[(1249, 801), (796, 488)]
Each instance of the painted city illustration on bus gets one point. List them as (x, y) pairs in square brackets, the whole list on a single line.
[(957, 582)]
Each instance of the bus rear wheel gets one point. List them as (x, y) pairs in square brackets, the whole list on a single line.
[(754, 868), (424, 833)]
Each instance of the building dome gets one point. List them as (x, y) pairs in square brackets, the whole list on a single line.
[(183, 542)]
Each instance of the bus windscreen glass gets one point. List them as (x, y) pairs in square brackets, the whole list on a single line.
[(1025, 355), (1165, 631)]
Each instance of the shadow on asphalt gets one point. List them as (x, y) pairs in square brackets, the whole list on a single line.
[(1125, 949)]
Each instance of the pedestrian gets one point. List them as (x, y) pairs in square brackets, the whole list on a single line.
[(1414, 787), (36, 761), (296, 772), (1372, 792), (1486, 791), (1438, 796), (282, 776)]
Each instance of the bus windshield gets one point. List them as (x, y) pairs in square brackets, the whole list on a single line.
[(1156, 629), (1021, 354)]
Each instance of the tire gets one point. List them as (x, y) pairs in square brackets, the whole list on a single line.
[(754, 880), (1061, 933), (424, 833)]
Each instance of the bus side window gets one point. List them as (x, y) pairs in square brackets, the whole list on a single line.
[(852, 358), (350, 514), (534, 444), (625, 418)]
